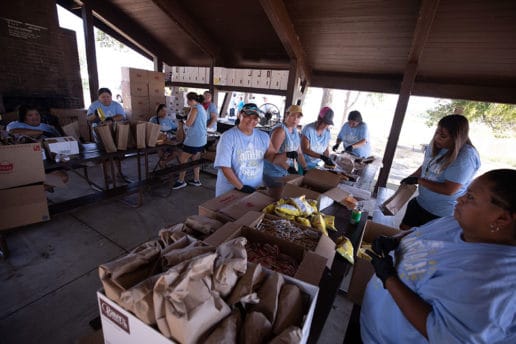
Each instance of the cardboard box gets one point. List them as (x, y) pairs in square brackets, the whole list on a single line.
[(135, 75), (67, 116), (134, 88), (21, 165), (211, 207), (122, 327), (66, 145), (154, 101), (319, 185), (219, 76), (157, 78), (137, 108), (363, 269), (156, 89), (255, 201), (22, 206)]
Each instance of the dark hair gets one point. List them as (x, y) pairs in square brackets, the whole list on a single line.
[(158, 109), (22, 111), (199, 98), (503, 188), (458, 128), (104, 90), (355, 116)]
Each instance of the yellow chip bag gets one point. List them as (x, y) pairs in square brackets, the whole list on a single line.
[(269, 209), (329, 220), (313, 204), (283, 215), (301, 204), (318, 222), (288, 209), (303, 221), (345, 249)]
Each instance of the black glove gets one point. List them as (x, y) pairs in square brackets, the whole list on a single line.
[(292, 170), (409, 180), (385, 244), (349, 148), (383, 266), (326, 160), (179, 117), (247, 189), (334, 148), (292, 155)]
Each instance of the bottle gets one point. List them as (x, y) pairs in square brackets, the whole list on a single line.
[(356, 215)]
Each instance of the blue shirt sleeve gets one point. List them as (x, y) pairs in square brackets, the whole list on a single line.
[(462, 170), (224, 151)]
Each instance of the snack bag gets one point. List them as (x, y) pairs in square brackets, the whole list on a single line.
[(345, 249)]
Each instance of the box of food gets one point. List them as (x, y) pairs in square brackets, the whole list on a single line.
[(66, 145), (21, 165)]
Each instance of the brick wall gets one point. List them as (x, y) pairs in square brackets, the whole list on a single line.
[(39, 63)]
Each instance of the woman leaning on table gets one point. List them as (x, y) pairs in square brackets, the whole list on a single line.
[(241, 152), (453, 279), (354, 134), (166, 126), (448, 167), (315, 138)]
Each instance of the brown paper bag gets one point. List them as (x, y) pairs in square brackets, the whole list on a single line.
[(122, 135), (268, 295), (290, 308), (127, 271), (394, 203), (72, 129), (225, 332), (230, 265), (257, 329), (172, 234), (172, 257), (104, 132), (291, 335), (180, 132), (202, 224), (151, 134), (244, 291), (138, 300), (184, 304), (139, 131)]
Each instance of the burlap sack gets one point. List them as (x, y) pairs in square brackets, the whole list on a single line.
[(202, 224), (184, 304), (138, 300), (230, 265), (256, 330), (151, 134), (394, 203), (172, 257), (244, 290), (104, 134), (290, 308), (291, 335), (226, 332), (122, 131), (129, 270), (139, 131), (268, 295)]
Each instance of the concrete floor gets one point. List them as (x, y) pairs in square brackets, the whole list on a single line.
[(50, 278)]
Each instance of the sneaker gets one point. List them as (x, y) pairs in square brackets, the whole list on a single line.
[(179, 185), (195, 182)]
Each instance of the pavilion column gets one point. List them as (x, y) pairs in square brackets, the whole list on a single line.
[(91, 56)]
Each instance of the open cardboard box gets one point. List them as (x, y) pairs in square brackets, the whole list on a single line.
[(363, 269), (66, 145), (121, 326), (252, 202), (319, 185), (211, 207)]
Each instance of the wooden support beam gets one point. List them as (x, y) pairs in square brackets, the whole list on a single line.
[(158, 64), (426, 17), (177, 13), (277, 13), (124, 25), (91, 56)]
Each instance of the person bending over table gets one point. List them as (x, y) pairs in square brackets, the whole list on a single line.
[(105, 109), (354, 134), (286, 141), (448, 167), (241, 152), (316, 138), (29, 124), (196, 137), (167, 126), (451, 280)]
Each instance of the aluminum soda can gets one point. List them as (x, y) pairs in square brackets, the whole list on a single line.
[(356, 215)]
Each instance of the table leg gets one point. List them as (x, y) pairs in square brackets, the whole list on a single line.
[(4, 249), (106, 184), (113, 177), (139, 166), (146, 165)]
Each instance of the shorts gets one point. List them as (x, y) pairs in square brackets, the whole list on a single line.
[(416, 215), (192, 150)]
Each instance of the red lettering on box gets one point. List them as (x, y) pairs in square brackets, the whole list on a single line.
[(115, 316), (6, 167)]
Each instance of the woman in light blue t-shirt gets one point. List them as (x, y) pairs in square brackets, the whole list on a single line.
[(316, 138), (196, 137), (449, 165), (354, 134), (166, 125)]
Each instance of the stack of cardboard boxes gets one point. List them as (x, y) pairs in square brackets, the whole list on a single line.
[(22, 194), (175, 102), (142, 91)]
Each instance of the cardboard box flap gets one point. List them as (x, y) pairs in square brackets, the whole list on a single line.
[(326, 248), (337, 194), (211, 207), (251, 219), (255, 201), (362, 272), (321, 180), (292, 190), (292, 179), (227, 232), (372, 230), (311, 268)]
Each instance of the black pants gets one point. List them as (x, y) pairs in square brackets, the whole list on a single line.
[(416, 215)]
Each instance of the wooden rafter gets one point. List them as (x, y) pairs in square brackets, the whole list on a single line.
[(280, 20), (427, 13), (177, 13)]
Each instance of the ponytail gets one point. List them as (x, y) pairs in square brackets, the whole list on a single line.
[(199, 98)]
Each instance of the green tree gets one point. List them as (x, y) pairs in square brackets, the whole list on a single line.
[(106, 41), (501, 118)]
